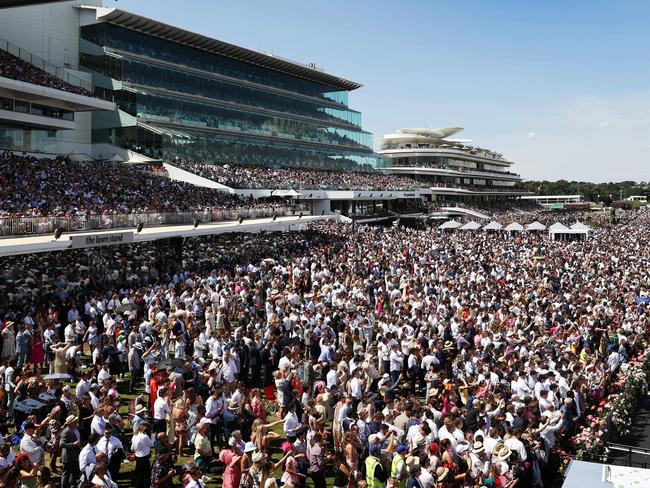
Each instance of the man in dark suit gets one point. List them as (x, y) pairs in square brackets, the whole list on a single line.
[(70, 447)]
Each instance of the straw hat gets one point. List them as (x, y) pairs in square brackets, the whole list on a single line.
[(71, 419), (478, 447), (441, 473), (504, 453)]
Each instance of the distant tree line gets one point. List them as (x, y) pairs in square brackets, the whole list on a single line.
[(593, 192)]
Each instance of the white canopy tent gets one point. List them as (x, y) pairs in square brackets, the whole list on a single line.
[(580, 226), (450, 224), (557, 226), (471, 226), (494, 225), (536, 226), (514, 227), (80, 157)]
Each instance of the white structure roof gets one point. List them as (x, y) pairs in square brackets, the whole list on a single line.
[(161, 30), (494, 225), (536, 226), (580, 226), (450, 224), (514, 227), (471, 225), (558, 226)]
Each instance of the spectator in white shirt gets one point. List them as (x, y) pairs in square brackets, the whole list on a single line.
[(30, 445), (161, 409)]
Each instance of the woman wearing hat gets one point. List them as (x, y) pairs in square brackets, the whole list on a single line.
[(28, 471), (202, 447)]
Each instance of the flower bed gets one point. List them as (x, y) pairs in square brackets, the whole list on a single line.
[(612, 418)]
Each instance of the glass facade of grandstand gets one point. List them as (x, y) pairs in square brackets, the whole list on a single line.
[(198, 105)]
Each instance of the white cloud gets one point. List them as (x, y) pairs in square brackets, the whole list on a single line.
[(532, 135)]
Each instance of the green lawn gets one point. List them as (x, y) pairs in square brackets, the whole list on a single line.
[(126, 472)]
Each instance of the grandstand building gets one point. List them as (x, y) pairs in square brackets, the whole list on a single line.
[(453, 169), (186, 95)]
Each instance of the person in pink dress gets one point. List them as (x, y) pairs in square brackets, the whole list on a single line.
[(257, 405), (37, 356), (231, 457)]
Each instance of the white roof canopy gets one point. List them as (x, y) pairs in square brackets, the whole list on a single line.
[(450, 224), (536, 226), (558, 226), (471, 226), (514, 227), (494, 225), (580, 226)]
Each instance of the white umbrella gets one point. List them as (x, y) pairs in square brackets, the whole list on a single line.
[(536, 226), (494, 225), (557, 226), (471, 226), (514, 227), (450, 224)]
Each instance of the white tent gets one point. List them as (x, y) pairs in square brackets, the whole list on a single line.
[(471, 226), (494, 225), (514, 227), (580, 226), (116, 158), (536, 226), (450, 224), (80, 157), (557, 226)]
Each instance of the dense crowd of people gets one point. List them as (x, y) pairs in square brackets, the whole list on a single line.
[(17, 69), (371, 356), (263, 177), (42, 187)]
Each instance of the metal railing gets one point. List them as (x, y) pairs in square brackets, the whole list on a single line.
[(15, 226), (61, 73)]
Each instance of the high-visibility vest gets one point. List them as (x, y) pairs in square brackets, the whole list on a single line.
[(398, 465), (371, 464)]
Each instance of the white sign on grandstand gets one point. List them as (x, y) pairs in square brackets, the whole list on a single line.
[(96, 240)]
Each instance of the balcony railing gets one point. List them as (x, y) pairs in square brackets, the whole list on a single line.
[(15, 226), (50, 68)]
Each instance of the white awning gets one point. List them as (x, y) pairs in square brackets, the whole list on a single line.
[(514, 227), (558, 226), (494, 225), (536, 226), (450, 224), (580, 226), (471, 226)]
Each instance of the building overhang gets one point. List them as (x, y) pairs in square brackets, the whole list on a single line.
[(25, 3), (51, 97), (419, 170), (36, 121), (168, 32), (464, 191), (446, 152)]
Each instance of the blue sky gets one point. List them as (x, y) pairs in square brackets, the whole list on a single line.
[(560, 87)]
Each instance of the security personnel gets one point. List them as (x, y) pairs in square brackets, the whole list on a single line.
[(398, 471), (376, 476)]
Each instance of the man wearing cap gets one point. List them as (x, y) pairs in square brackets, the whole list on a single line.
[(398, 471), (376, 476), (70, 448)]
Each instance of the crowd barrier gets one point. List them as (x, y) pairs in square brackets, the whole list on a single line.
[(15, 226)]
